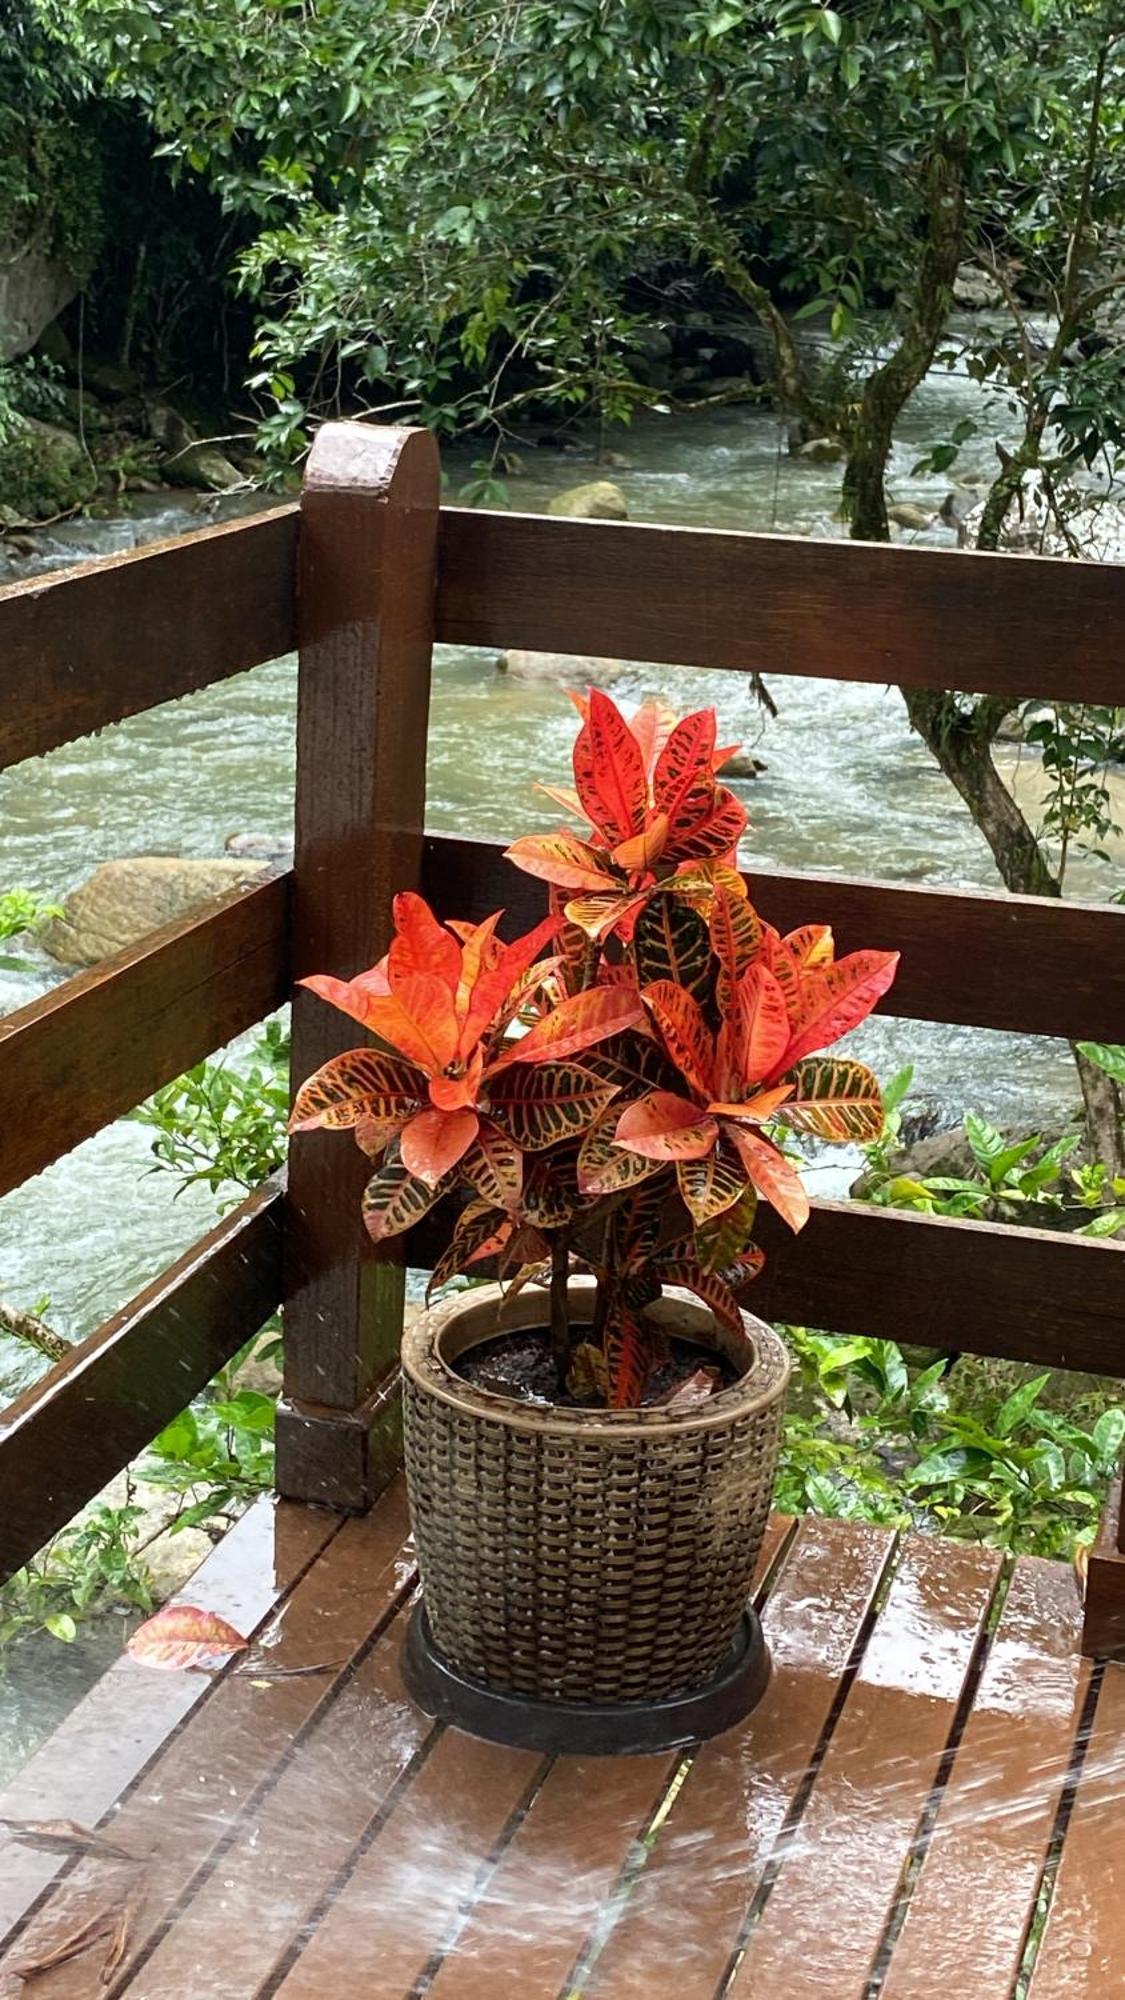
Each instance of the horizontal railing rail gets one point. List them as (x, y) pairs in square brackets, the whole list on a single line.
[(64, 1439), (86, 648)]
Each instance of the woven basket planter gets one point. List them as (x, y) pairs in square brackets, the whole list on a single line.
[(585, 1556)]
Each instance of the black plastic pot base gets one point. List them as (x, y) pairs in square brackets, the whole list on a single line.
[(581, 1729)]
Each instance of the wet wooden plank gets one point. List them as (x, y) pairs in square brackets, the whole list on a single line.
[(72, 1431), (1028, 964), (108, 1738), (1082, 1952), (222, 1763), (369, 527), (89, 646), (778, 604), (530, 1923), (820, 1929), (287, 1851), (100, 1044), (681, 1922), (989, 1842)]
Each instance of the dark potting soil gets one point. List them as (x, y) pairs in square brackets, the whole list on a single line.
[(521, 1365)]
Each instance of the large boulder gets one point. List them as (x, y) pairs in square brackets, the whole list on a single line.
[(190, 460), (598, 500), (975, 289), (907, 514), (44, 471), (569, 669), (34, 288), (821, 451), (122, 901)]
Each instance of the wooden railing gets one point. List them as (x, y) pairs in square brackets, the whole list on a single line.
[(363, 578)]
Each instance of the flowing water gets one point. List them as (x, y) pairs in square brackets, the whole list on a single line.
[(847, 789)]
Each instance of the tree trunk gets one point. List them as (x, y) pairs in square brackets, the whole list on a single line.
[(889, 387)]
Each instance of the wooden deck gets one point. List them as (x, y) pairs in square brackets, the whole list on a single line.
[(931, 1781)]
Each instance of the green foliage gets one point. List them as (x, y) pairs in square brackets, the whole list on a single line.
[(92, 1567), (216, 1456), (21, 912), (883, 1438), (50, 159), (223, 1127)]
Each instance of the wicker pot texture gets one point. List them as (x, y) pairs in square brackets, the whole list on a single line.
[(586, 1555)]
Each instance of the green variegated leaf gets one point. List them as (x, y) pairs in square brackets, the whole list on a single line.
[(726, 1236), (736, 933), (550, 1193), (711, 1288), (494, 1166), (357, 1087), (711, 1185), (539, 1104), (395, 1199), (836, 1099), (481, 1231), (670, 941), (633, 1062), (606, 1168)]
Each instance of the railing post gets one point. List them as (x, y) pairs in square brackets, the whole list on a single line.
[(365, 622)]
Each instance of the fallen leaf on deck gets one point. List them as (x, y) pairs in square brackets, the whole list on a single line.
[(72, 1946), (64, 1836), (118, 1946), (184, 1636), (263, 1674)]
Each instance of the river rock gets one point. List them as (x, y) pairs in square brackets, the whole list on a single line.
[(259, 846), (122, 901), (821, 451), (571, 669), (34, 288), (974, 288), (189, 460), (598, 500), (742, 765), (43, 471), (651, 341), (906, 514)]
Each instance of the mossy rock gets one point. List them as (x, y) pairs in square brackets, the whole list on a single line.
[(43, 470)]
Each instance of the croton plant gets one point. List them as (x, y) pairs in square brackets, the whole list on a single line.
[(611, 1091)]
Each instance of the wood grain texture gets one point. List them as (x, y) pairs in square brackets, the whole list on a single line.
[(989, 1840), (851, 611), (1023, 963), (87, 647), (369, 527), (1082, 1951), (100, 1044), (107, 1739), (63, 1439)]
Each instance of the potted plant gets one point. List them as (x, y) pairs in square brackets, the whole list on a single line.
[(591, 1442)]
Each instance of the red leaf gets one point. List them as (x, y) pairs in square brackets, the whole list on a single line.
[(684, 1032), (683, 767), (575, 1024), (184, 1636), (651, 727), (563, 859), (772, 1175), (736, 939), (501, 977), (835, 998), (759, 1031), (628, 1357), (812, 944), (434, 1141), (708, 1286), (422, 944), (609, 771), (662, 1126), (453, 1093), (710, 827), (640, 854), (597, 916), (428, 1002)]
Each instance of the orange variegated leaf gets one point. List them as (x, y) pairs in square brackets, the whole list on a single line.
[(651, 726), (434, 1141), (481, 1231), (563, 859), (628, 1356), (756, 1109), (811, 944), (564, 796), (837, 1099), (184, 1636), (597, 916), (663, 1126), (609, 772), (577, 1023), (354, 1087), (605, 1167), (835, 998), (641, 852), (683, 767), (723, 1239), (679, 1022), (710, 826), (394, 1199), (421, 943), (453, 1093), (670, 942), (710, 1185), (736, 940), (374, 1135), (500, 978), (494, 1166), (772, 1174), (759, 1027), (351, 996), (386, 1017), (539, 1104), (428, 1004)]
